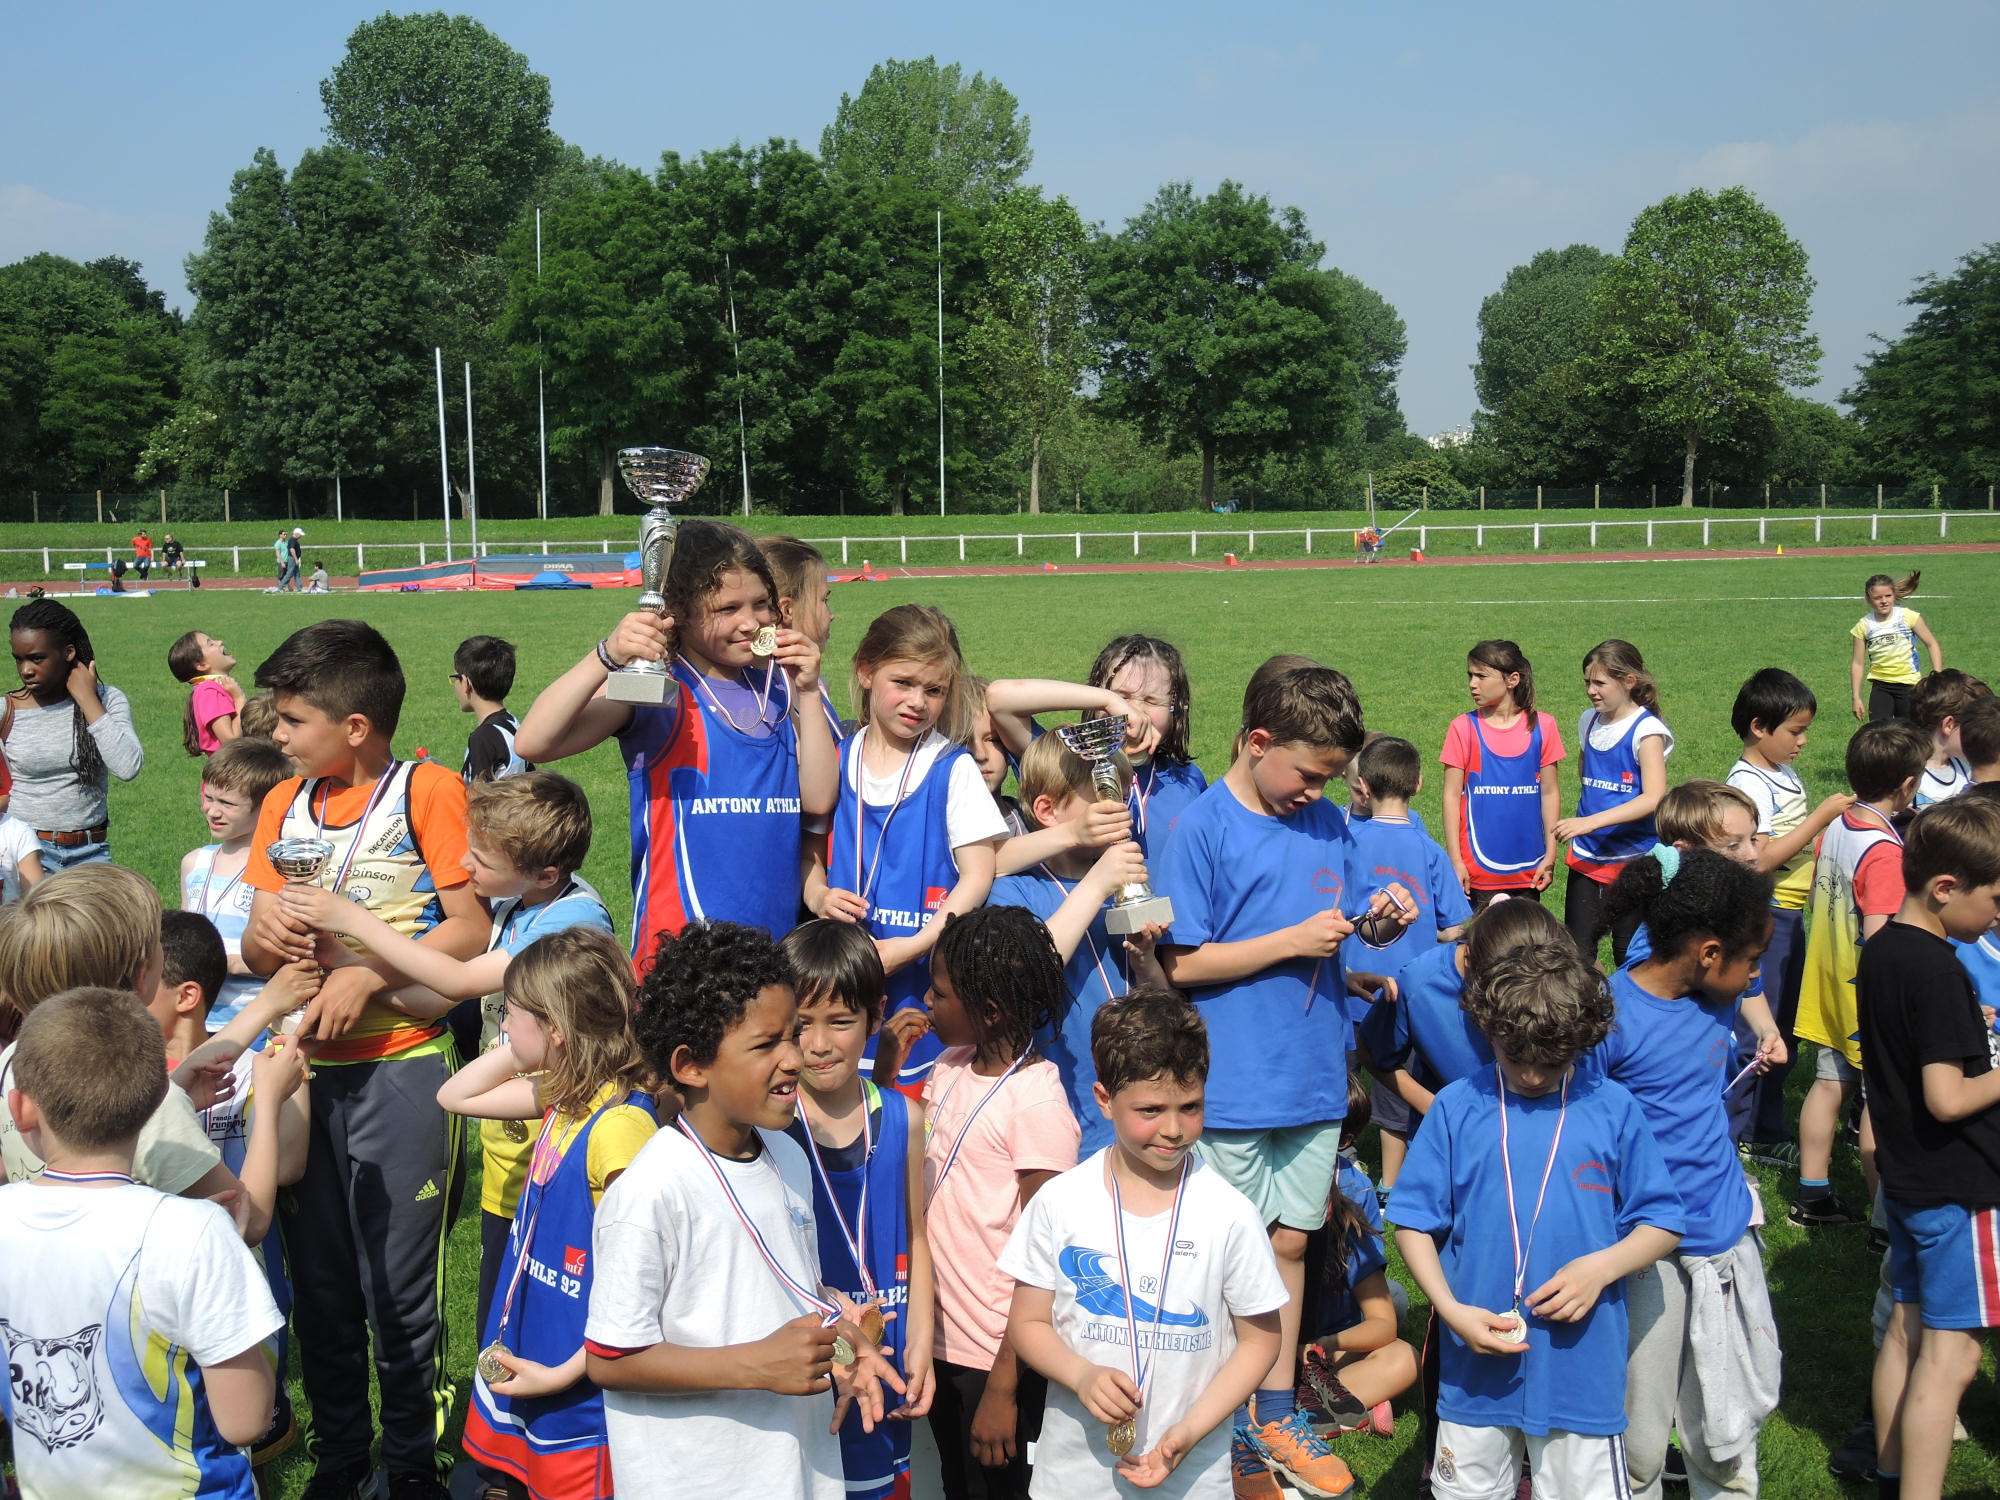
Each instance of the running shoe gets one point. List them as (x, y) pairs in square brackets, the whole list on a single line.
[(1292, 1448)]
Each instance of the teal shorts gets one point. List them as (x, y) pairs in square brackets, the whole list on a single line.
[(1287, 1172)]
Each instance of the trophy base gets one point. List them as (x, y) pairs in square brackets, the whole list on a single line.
[(636, 687), (1131, 916)]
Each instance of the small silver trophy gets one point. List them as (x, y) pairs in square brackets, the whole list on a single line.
[(302, 861), (1097, 742), (660, 477)]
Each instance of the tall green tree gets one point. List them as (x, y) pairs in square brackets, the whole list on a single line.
[(960, 138), (105, 391), (1030, 335), (1929, 403), (1541, 318), (1703, 317), (612, 310), (1217, 331), (1383, 340)]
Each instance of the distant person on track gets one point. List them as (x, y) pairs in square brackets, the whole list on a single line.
[(1885, 648), (281, 554), (295, 552), (482, 675), (318, 583)]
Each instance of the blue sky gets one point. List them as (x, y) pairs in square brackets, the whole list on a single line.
[(1432, 147)]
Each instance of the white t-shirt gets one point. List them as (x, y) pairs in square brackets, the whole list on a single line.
[(174, 1152), (1942, 783), (970, 812), (16, 840), (675, 1265), (1643, 725), (1223, 1267), (112, 1296)]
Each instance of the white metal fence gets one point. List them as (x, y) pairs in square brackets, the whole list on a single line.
[(940, 549)]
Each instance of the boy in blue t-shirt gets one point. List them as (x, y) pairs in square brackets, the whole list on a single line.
[(1529, 1195), (1391, 846), (1068, 892), (1261, 870)]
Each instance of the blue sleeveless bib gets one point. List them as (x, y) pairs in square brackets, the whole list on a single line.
[(1609, 778), (1503, 806)]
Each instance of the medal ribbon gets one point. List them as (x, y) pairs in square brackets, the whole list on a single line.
[(1125, 1276), (861, 887), (360, 828), (209, 875), (1088, 941), (537, 1165), (1144, 794), (855, 1239), (829, 1313), (1507, 1173), (763, 698), (50, 1174), (952, 1155)]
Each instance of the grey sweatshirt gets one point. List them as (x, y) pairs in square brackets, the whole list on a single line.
[(48, 793)]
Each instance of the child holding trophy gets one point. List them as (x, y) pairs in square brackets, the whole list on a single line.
[(733, 745)]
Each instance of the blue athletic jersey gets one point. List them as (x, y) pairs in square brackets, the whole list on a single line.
[(714, 816), (1094, 974), (1161, 791), (1276, 1038), (1675, 1056), (871, 1460), (1607, 1179), (904, 879), (554, 1444), (1503, 806), (1981, 962), (1387, 852), (1611, 777), (1425, 1032), (1347, 1266), (1641, 948)]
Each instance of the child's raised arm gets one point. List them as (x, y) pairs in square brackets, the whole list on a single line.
[(491, 1087), (571, 714), (1780, 848), (452, 978), (1102, 824), (1014, 701), (975, 883)]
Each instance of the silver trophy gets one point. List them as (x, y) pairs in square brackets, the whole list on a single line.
[(660, 477), (1097, 742), (300, 860)]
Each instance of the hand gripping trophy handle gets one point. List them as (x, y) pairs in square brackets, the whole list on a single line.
[(1096, 742), (662, 477), (299, 861)]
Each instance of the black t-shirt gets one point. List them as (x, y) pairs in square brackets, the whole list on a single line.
[(1918, 1007), (489, 753)]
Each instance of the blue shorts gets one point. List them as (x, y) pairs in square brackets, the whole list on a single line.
[(1946, 1260)]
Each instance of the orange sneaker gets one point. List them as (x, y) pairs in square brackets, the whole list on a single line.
[(1292, 1448), (1246, 1470)]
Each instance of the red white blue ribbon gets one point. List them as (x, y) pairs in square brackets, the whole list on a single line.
[(1125, 1276), (50, 1174), (360, 828), (540, 1169), (1507, 1174), (863, 887), (857, 1238), (966, 1130), (829, 1313)]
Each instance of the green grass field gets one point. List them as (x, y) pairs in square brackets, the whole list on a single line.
[(1400, 634)]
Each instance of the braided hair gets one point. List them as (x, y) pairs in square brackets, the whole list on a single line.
[(1006, 972), (60, 621)]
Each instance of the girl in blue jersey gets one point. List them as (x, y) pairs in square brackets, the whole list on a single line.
[(722, 770), (1672, 1047), (1625, 747), (914, 828), (568, 1061), (1501, 797), (866, 1146)]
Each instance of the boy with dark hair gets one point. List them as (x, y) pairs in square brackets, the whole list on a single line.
[(1857, 886), (366, 1224), (234, 784), (1068, 891), (482, 674), (1392, 846), (1132, 1397), (707, 1312), (148, 1308), (1932, 1093), (1531, 1284), (1259, 868), (1938, 704)]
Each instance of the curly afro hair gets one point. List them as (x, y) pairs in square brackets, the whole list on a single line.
[(1709, 896), (1541, 1003), (1005, 970), (699, 985)]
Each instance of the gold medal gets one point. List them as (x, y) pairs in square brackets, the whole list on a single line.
[(490, 1369), (873, 1325), (766, 642), (1121, 1437), (843, 1352), (515, 1131)]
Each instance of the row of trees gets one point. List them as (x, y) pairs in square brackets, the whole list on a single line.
[(780, 310)]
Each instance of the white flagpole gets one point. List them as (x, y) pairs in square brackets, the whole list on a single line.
[(541, 409), (339, 512), (471, 475), (940, 300), (736, 356), (444, 461)]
